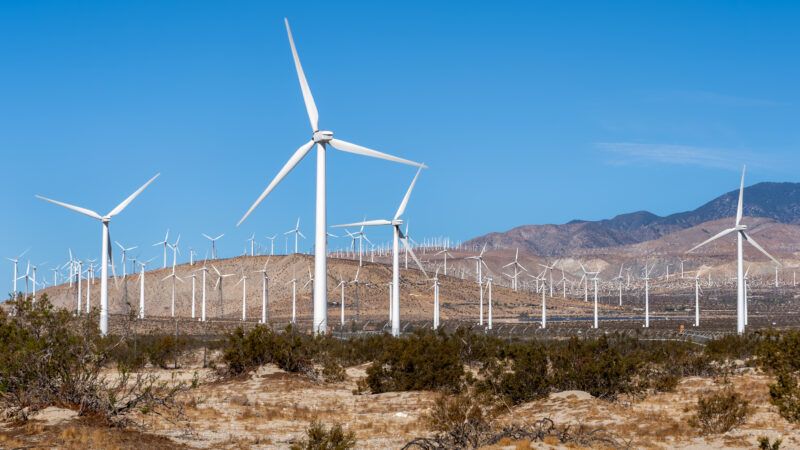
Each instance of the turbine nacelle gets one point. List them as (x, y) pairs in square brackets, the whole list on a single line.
[(322, 137)]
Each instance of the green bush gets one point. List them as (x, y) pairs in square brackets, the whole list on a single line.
[(719, 412), (288, 350), (764, 444), (594, 366), (422, 361), (780, 351), (318, 437), (48, 357), (785, 395), (521, 378)]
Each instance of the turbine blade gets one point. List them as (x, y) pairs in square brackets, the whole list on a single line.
[(128, 200), (759, 247), (739, 208), (311, 107), (717, 236), (359, 150), (368, 223), (87, 212), (404, 203), (293, 161), (414, 256)]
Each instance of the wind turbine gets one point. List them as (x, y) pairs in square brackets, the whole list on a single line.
[(398, 236), (204, 270), (321, 139), (213, 244), (15, 261), (435, 288), (479, 270), (142, 266), (297, 234), (106, 251), (741, 234), (164, 244), (220, 278), (446, 254), (175, 251), (489, 290), (243, 281), (516, 265), (124, 257), (174, 277), (252, 241), (264, 293), (697, 299), (341, 302), (272, 244), (647, 294), (619, 280)]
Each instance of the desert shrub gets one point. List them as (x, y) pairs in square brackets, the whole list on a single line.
[(594, 366), (288, 350), (463, 418), (476, 348), (733, 346), (332, 371), (318, 437), (785, 395), (780, 351), (162, 350), (421, 361), (521, 377), (765, 444), (48, 357), (719, 412)]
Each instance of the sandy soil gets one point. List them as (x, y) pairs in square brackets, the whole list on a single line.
[(271, 409)]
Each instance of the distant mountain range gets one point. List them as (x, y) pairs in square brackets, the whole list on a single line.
[(777, 201)]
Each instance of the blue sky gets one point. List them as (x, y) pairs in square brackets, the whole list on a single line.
[(526, 112)]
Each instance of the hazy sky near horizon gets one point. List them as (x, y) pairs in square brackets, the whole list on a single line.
[(526, 112)]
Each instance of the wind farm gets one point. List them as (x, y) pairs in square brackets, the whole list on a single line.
[(500, 319)]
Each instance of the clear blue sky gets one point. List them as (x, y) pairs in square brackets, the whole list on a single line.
[(526, 112)]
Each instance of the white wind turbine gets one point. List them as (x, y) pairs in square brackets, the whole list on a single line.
[(341, 285), (264, 292), (697, 299), (516, 265), (479, 270), (398, 236), (142, 266), (243, 282), (446, 254), (252, 241), (435, 288), (213, 244), (175, 251), (174, 277), (15, 261), (489, 291), (619, 280), (164, 244), (272, 244), (204, 270), (220, 278), (647, 271), (297, 235), (105, 245), (125, 251), (741, 234), (321, 139)]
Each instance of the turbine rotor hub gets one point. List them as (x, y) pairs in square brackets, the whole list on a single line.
[(322, 137)]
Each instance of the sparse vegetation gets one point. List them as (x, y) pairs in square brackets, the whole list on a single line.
[(48, 357), (319, 437), (719, 412)]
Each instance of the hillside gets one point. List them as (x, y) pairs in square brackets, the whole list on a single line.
[(779, 202)]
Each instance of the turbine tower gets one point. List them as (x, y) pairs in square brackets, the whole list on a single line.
[(106, 248), (398, 236), (321, 139), (741, 234)]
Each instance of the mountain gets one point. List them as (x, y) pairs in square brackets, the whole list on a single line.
[(777, 201)]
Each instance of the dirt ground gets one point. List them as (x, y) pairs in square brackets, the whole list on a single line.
[(271, 409)]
